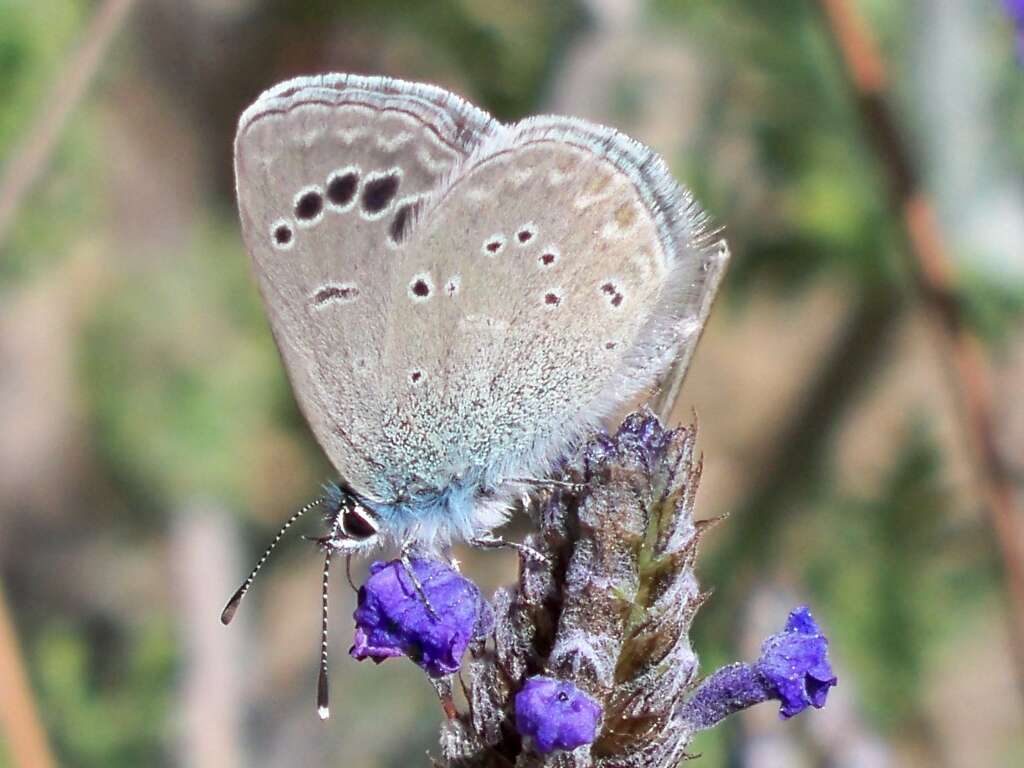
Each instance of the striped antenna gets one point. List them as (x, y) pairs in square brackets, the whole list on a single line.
[(229, 610)]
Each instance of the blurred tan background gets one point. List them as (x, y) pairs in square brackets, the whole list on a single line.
[(859, 387)]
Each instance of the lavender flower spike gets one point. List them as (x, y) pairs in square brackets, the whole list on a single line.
[(793, 669), (556, 714), (608, 609), (392, 620)]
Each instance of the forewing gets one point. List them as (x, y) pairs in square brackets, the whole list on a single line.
[(330, 172)]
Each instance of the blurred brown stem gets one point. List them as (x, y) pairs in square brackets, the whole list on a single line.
[(19, 718), (30, 158), (934, 278)]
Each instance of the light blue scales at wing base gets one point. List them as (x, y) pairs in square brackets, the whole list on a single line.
[(506, 296)]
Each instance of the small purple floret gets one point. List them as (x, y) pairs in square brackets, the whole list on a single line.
[(793, 669), (794, 664), (556, 714), (392, 620)]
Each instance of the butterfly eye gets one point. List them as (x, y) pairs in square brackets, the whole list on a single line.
[(358, 523)]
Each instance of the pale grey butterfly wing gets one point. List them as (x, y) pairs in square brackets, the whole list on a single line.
[(476, 299), (555, 276), (324, 167)]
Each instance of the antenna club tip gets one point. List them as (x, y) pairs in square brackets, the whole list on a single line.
[(324, 712), (229, 611)]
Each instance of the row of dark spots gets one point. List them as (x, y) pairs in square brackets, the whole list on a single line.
[(523, 236), (615, 297), (341, 190), (546, 259)]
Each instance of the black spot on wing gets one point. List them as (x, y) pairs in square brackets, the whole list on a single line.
[(402, 223), (379, 192), (341, 189), (335, 293), (309, 206), (282, 234)]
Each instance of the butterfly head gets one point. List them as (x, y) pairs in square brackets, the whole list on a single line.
[(351, 525)]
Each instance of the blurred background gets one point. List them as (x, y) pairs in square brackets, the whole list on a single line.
[(859, 386)]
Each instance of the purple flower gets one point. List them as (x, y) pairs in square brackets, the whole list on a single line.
[(793, 669), (794, 664), (392, 620), (556, 714)]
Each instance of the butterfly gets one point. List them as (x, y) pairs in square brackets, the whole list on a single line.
[(457, 301)]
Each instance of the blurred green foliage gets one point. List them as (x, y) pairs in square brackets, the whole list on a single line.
[(182, 383), (991, 306), (817, 182), (108, 708), (896, 593), (504, 50), (34, 39), (824, 210)]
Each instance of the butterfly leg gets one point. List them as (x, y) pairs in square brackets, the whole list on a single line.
[(407, 564), (443, 687), (348, 573), (495, 542)]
